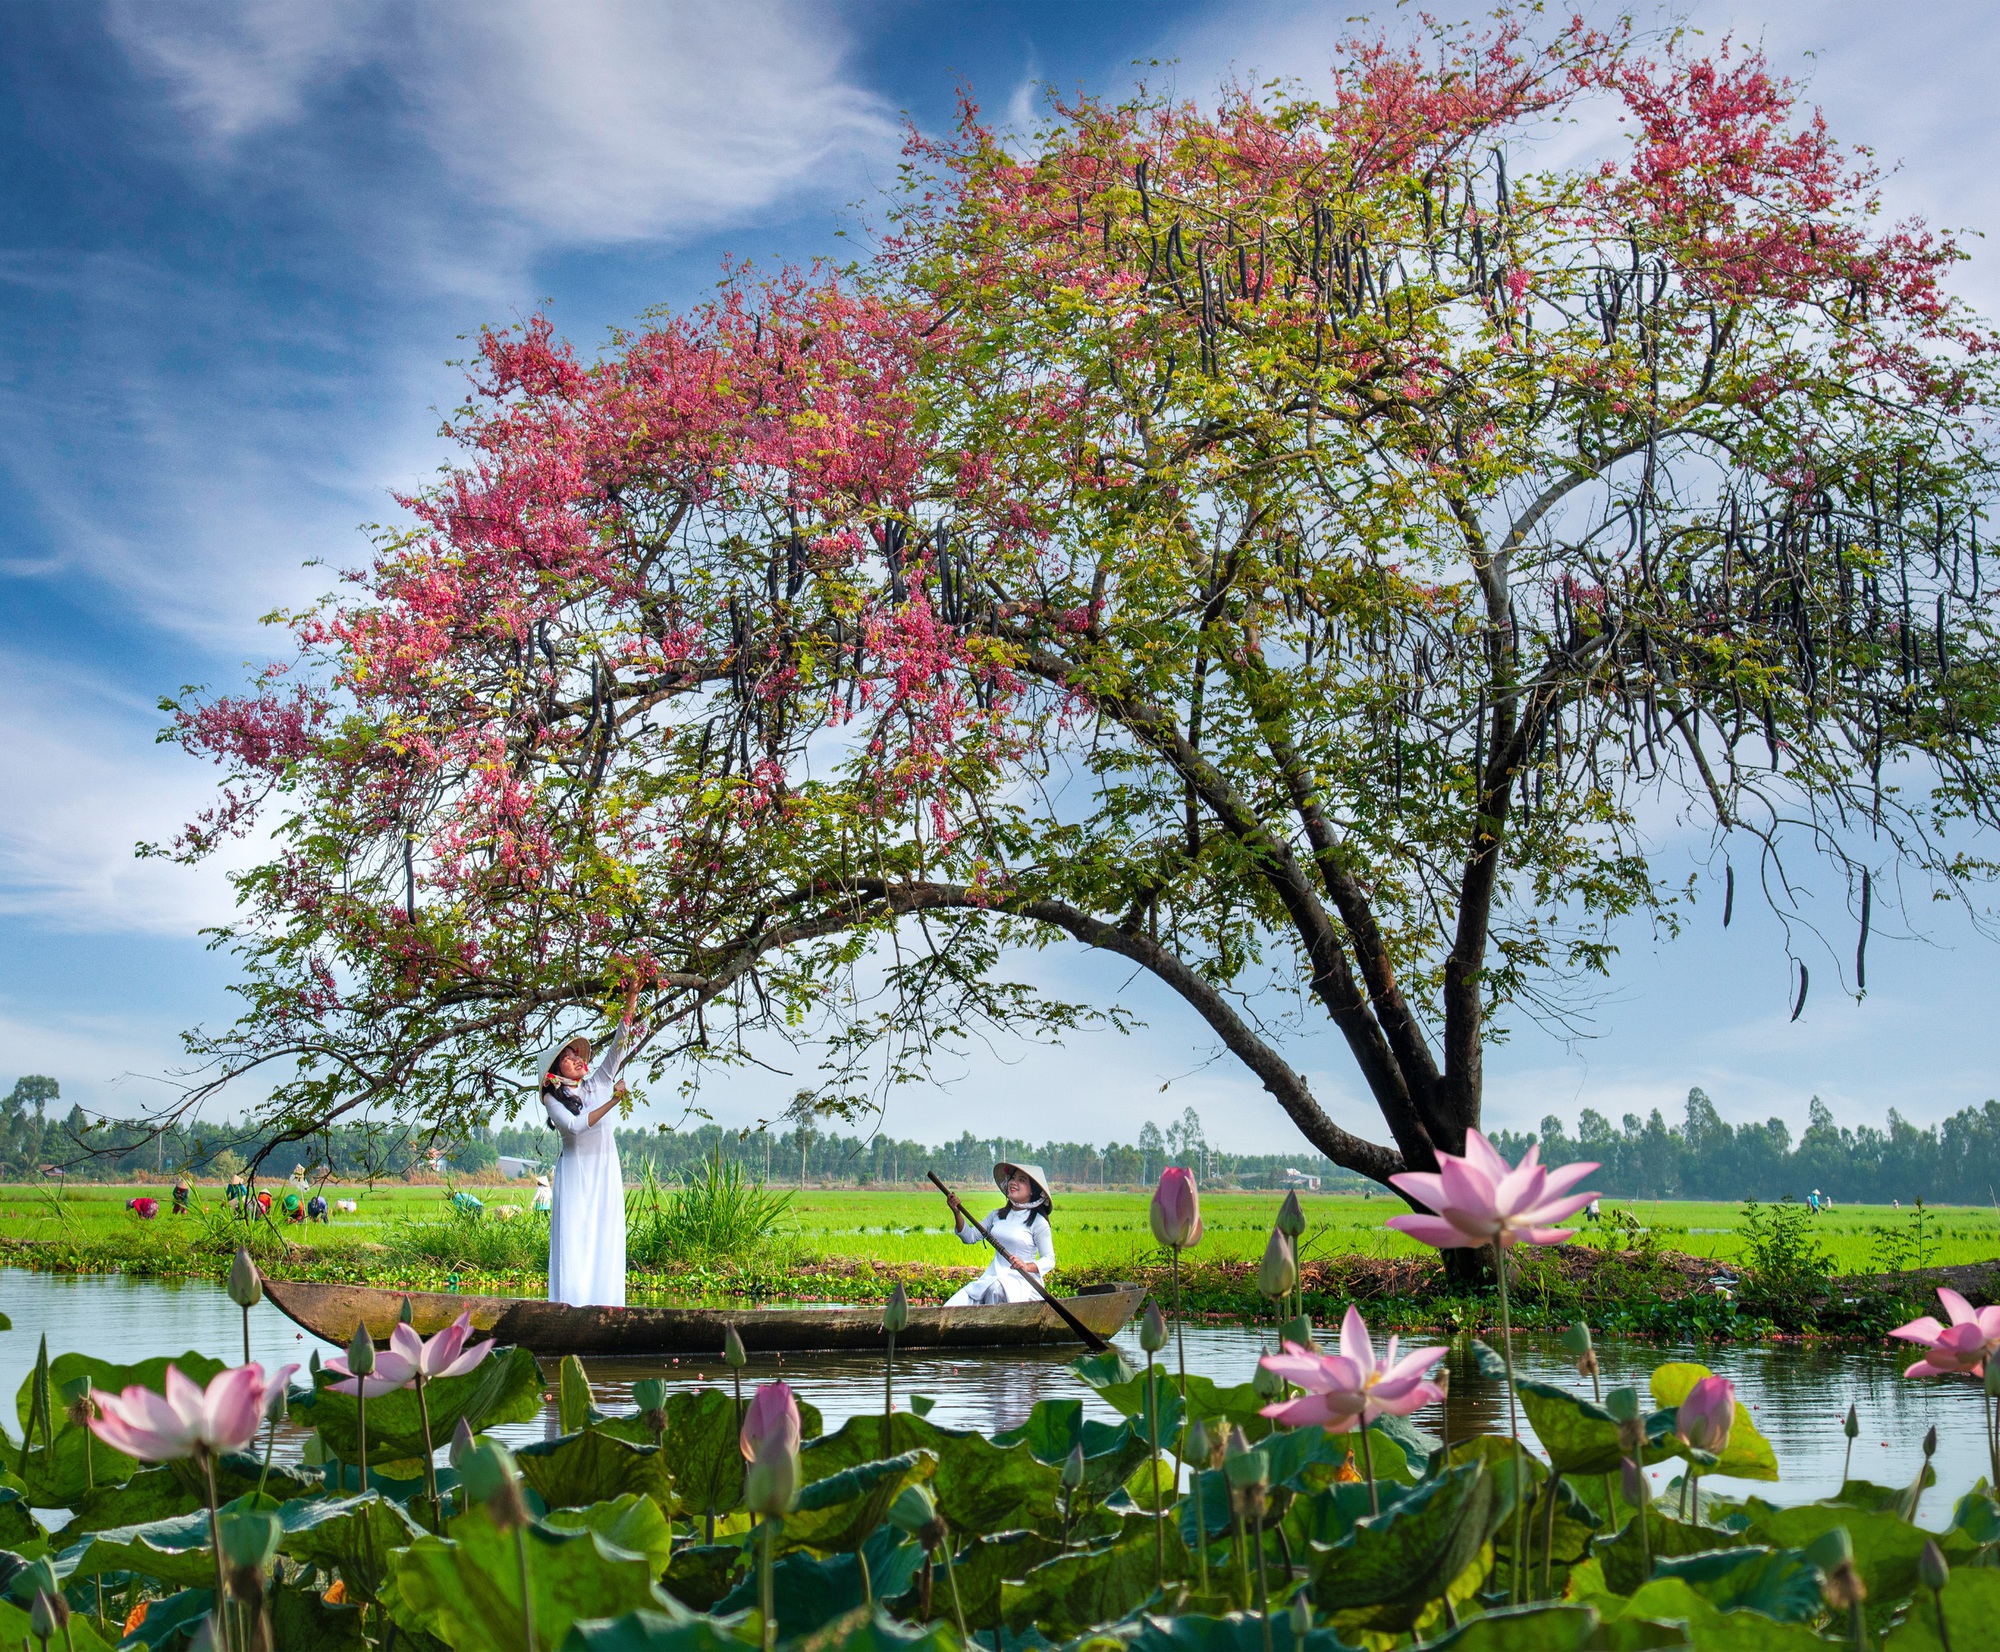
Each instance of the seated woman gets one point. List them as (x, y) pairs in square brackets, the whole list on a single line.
[(1021, 1226)]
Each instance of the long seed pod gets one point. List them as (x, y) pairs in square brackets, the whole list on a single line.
[(1861, 946), (1728, 894), (1805, 981)]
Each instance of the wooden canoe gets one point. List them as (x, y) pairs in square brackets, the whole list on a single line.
[(554, 1328)]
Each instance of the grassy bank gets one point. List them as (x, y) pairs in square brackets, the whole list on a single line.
[(1645, 1269)]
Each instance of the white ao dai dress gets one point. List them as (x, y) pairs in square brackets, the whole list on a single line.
[(587, 1224), (1023, 1232)]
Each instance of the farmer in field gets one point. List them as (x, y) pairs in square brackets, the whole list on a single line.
[(1021, 1226), (587, 1224)]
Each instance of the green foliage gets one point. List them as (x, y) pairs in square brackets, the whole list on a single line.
[(1780, 1251), (716, 1215), (506, 1388)]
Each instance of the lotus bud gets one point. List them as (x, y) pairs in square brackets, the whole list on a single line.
[(488, 1477), (246, 1284), (1175, 1214), (278, 1402), (1266, 1383), (1633, 1483), (49, 1616), (771, 1484), (915, 1511), (733, 1355), (1279, 1271), (312, 1367), (361, 1352), (1291, 1220), (1833, 1553), (406, 1315), (1623, 1404), (1930, 1442), (1234, 1444), (650, 1395), (1153, 1328), (462, 1443), (1299, 1330), (249, 1540), (1302, 1615), (1576, 1340), (1249, 1476), (1851, 1427), (896, 1316), (1706, 1416), (1932, 1566), (1072, 1469), (1197, 1444)]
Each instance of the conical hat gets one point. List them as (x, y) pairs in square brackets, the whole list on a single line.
[(1007, 1168), (550, 1057)]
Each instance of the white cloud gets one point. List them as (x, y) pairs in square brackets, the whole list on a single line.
[(586, 122), (85, 783)]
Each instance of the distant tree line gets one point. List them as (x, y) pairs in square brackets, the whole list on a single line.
[(1706, 1157)]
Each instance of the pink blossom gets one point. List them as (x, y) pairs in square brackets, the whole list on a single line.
[(1707, 1414), (1176, 1211), (185, 1421), (772, 1415), (1480, 1198), (1351, 1388), (409, 1357), (1963, 1346)]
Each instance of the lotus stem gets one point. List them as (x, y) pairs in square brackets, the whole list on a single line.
[(361, 1427), (1159, 1509), (1242, 1562), (1516, 1589), (867, 1578), (430, 1454), (888, 1399), (1180, 1339), (246, 1336), (1200, 1529), (1549, 1533), (764, 1587), (951, 1577), (220, 1617), (1263, 1598), (1944, 1634), (270, 1445), (527, 1594)]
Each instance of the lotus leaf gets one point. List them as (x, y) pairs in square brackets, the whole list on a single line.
[(16, 1629), (1865, 1494), (577, 1469), (58, 1476), (1971, 1603), (1233, 1632), (1672, 1598), (166, 1619), (1623, 1557), (353, 1536), (1886, 1546), (980, 1487), (700, 1575), (17, 1524), (983, 1565), (301, 1621), (650, 1631), (1070, 1593), (633, 1522), (1780, 1583), (808, 1593), (863, 1630), (1394, 1562), (1977, 1515), (1325, 1517), (504, 1389), (1582, 1437), (836, 1515), (1056, 1427), (108, 1377), (1550, 1628), (1747, 1455), (702, 1447), (174, 1551), (465, 1589)]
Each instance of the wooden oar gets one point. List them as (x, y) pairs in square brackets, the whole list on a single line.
[(1096, 1343)]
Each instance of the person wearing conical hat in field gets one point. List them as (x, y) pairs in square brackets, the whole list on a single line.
[(587, 1223), (1021, 1225)]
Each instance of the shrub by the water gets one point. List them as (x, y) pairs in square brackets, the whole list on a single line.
[(717, 1216)]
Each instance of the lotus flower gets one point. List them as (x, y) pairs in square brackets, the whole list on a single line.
[(1707, 1414), (1963, 1346), (1481, 1199), (1351, 1388), (1176, 1212), (410, 1356), (185, 1421), (772, 1411), (771, 1483)]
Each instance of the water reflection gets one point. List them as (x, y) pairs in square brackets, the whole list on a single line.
[(1797, 1394)]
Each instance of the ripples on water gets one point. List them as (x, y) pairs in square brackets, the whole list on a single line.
[(1798, 1394)]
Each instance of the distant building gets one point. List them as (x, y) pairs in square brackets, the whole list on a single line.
[(1298, 1178), (511, 1166)]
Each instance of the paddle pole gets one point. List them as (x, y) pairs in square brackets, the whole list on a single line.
[(1092, 1340)]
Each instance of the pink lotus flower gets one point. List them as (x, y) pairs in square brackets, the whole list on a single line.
[(773, 1414), (410, 1356), (771, 1483), (1176, 1212), (1707, 1414), (1350, 1388), (1480, 1198), (1962, 1347), (185, 1421)]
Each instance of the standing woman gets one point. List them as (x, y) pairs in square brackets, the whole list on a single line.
[(587, 1225), (1021, 1226)]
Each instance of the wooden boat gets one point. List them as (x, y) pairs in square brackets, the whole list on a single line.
[(554, 1328)]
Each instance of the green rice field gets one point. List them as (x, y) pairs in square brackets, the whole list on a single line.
[(1093, 1230)]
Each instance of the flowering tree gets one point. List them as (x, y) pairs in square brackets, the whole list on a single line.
[(1280, 545)]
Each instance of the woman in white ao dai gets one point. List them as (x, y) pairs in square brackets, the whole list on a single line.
[(1022, 1228), (587, 1223)]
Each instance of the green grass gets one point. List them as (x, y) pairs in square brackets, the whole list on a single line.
[(1093, 1231)]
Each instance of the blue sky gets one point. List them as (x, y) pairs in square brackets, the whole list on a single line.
[(241, 244)]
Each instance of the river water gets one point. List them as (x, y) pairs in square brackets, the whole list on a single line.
[(1797, 1394)]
